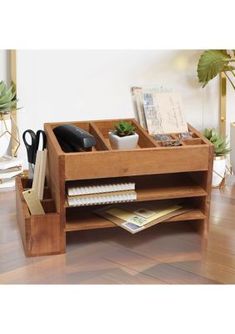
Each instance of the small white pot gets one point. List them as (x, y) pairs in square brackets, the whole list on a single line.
[(123, 143), (219, 169)]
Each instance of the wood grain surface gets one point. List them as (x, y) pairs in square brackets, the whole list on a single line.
[(169, 253)]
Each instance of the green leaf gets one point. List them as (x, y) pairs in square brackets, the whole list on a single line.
[(124, 129), (8, 98), (221, 146), (211, 63), (2, 86), (229, 68), (208, 133)]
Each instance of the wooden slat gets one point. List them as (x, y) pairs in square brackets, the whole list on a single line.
[(150, 193), (145, 139), (102, 143), (135, 162)]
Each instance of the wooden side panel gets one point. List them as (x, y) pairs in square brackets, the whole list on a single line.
[(208, 183), (91, 165), (204, 179), (44, 235), (55, 172), (23, 216), (55, 178)]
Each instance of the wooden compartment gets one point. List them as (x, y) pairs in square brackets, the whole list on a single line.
[(103, 128), (83, 218), (152, 187), (41, 234), (148, 159)]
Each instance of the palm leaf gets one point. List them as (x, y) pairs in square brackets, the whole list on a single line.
[(211, 63)]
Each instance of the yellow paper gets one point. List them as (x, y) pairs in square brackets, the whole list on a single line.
[(127, 216)]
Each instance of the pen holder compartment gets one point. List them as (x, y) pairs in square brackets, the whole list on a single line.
[(40, 233)]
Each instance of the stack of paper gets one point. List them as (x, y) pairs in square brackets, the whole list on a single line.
[(159, 111), (101, 194), (9, 168), (137, 218)]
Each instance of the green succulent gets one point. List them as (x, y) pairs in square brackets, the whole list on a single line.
[(8, 98), (213, 62), (123, 129), (221, 146)]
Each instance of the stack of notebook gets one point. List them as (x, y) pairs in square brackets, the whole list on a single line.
[(101, 194), (9, 168)]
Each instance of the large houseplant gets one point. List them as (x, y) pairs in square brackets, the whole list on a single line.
[(8, 103), (221, 149), (212, 63)]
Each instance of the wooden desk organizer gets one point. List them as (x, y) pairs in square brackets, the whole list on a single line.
[(40, 233), (159, 173)]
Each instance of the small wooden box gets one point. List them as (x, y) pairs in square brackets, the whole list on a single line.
[(40, 233)]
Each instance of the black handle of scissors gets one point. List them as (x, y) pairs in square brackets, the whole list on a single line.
[(44, 139), (30, 147)]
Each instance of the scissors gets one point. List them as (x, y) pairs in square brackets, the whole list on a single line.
[(32, 147)]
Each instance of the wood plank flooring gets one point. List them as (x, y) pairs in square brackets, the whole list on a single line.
[(165, 254)]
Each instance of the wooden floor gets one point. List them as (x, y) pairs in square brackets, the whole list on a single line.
[(167, 253)]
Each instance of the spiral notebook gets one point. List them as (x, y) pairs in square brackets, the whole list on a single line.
[(102, 198), (100, 188)]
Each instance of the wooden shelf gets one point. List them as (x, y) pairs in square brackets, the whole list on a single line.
[(153, 194), (158, 193), (89, 221), (167, 186), (156, 187)]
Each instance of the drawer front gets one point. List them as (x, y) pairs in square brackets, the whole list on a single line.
[(45, 234), (136, 162)]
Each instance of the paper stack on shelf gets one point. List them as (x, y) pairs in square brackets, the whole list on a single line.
[(141, 216), (9, 168), (101, 194)]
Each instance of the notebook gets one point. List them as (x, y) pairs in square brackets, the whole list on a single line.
[(100, 188), (102, 198)]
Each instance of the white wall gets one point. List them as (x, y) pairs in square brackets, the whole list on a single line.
[(4, 65), (79, 85)]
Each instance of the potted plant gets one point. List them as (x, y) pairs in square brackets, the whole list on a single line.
[(124, 136), (221, 149), (8, 103), (212, 63)]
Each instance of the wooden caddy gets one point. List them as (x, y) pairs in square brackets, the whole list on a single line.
[(159, 173)]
